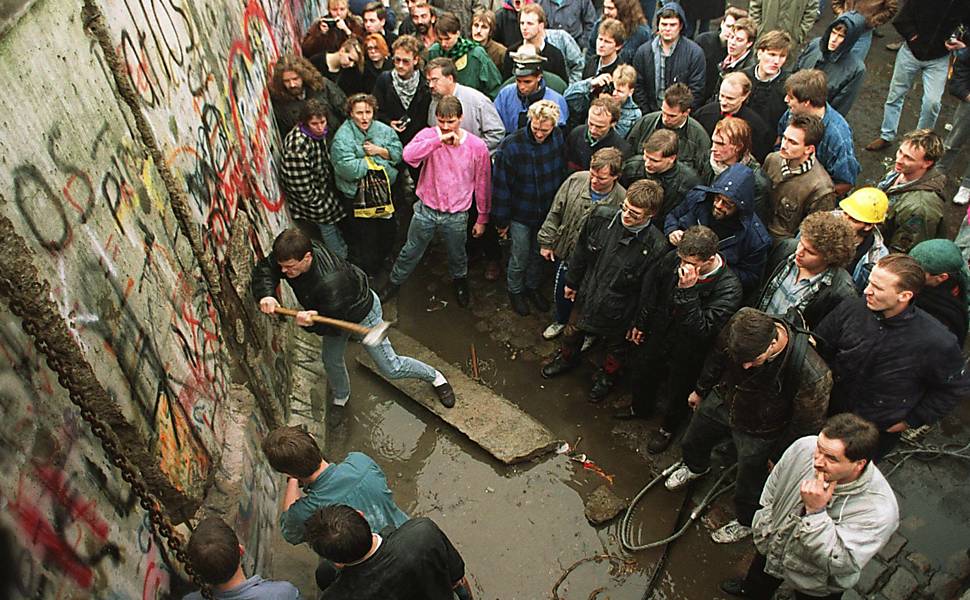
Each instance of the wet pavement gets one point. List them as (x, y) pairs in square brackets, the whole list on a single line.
[(520, 528)]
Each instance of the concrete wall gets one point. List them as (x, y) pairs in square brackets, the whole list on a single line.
[(82, 199)]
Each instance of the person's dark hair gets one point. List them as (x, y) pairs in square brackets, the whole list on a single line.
[(367, 99), (911, 275), (927, 141), (663, 141), (630, 13), (607, 157), (748, 26), (811, 127), (737, 132), (646, 194), (213, 551), (859, 436), (447, 24), (353, 43), (376, 7), (840, 27), (448, 107), (736, 12), (808, 85), (446, 65), (487, 17), (339, 533), (668, 13), (412, 45), (608, 105), (292, 244), (831, 236), (679, 96), (776, 40), (748, 335), (698, 241), (312, 108), (292, 451)]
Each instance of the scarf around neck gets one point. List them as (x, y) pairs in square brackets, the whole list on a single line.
[(405, 88), (462, 47), (787, 172)]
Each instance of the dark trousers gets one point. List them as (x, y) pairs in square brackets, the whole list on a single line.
[(679, 373), (759, 585), (708, 428), (616, 347), (371, 242), (487, 245), (887, 443)]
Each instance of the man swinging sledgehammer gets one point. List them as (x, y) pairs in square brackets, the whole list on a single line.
[(329, 285)]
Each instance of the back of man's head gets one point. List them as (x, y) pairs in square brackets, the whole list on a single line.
[(663, 141), (748, 335), (909, 274), (698, 242), (859, 436), (292, 244), (293, 451), (679, 96), (808, 85), (339, 533), (213, 551), (646, 194)]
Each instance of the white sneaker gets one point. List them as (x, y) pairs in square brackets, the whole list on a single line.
[(340, 401), (682, 477), (588, 342), (730, 533), (963, 195), (553, 331)]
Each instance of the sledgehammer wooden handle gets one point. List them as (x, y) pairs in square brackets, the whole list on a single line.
[(345, 325)]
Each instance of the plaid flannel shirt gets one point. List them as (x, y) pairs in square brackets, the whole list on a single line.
[(526, 177), (307, 177)]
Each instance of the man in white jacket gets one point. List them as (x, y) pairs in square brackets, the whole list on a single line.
[(827, 511)]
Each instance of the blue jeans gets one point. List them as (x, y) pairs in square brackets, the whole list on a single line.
[(333, 240), (963, 238), (906, 69), (425, 222), (564, 306), (388, 362), (525, 262), (861, 47), (957, 141)]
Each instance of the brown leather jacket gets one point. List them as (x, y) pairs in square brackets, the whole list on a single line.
[(876, 12)]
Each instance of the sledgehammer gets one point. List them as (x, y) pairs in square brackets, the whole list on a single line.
[(372, 336)]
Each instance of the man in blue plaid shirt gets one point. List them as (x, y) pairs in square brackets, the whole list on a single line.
[(307, 178), (530, 165)]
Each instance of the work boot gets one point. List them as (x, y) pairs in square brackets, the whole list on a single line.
[(461, 292), (538, 300), (734, 587), (659, 441), (519, 304), (559, 365), (878, 145), (388, 291), (602, 384)]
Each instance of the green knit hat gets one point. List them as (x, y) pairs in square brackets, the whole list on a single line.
[(943, 256)]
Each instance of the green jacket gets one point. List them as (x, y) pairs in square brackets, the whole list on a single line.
[(475, 69), (916, 212), (794, 16), (571, 206), (347, 154)]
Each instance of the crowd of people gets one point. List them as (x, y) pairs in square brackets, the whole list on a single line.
[(694, 197)]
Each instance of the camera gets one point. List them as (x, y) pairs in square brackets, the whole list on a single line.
[(404, 121), (606, 88)]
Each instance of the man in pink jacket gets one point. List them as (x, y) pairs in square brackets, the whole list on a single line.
[(456, 169)]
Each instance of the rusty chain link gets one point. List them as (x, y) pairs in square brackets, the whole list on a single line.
[(161, 526)]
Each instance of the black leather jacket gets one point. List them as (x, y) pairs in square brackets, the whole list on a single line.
[(332, 286)]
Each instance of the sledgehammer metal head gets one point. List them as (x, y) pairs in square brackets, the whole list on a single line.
[(376, 335)]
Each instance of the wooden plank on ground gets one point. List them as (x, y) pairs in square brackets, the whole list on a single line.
[(497, 425)]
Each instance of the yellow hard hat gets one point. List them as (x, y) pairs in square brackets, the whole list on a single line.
[(867, 204)]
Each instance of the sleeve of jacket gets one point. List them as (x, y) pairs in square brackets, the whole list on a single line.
[(297, 175), (947, 382), (381, 92), (483, 185), (588, 18), (751, 264), (422, 146), (764, 518), (393, 144), (336, 97), (347, 158), (549, 230), (713, 367), (839, 550), (911, 225), (845, 96), (490, 124), (678, 218), (828, 332), (502, 184), (810, 404), (808, 18), (580, 257), (906, 21), (881, 17), (643, 64), (705, 322), (489, 78), (266, 278), (754, 11), (960, 81), (697, 75)]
